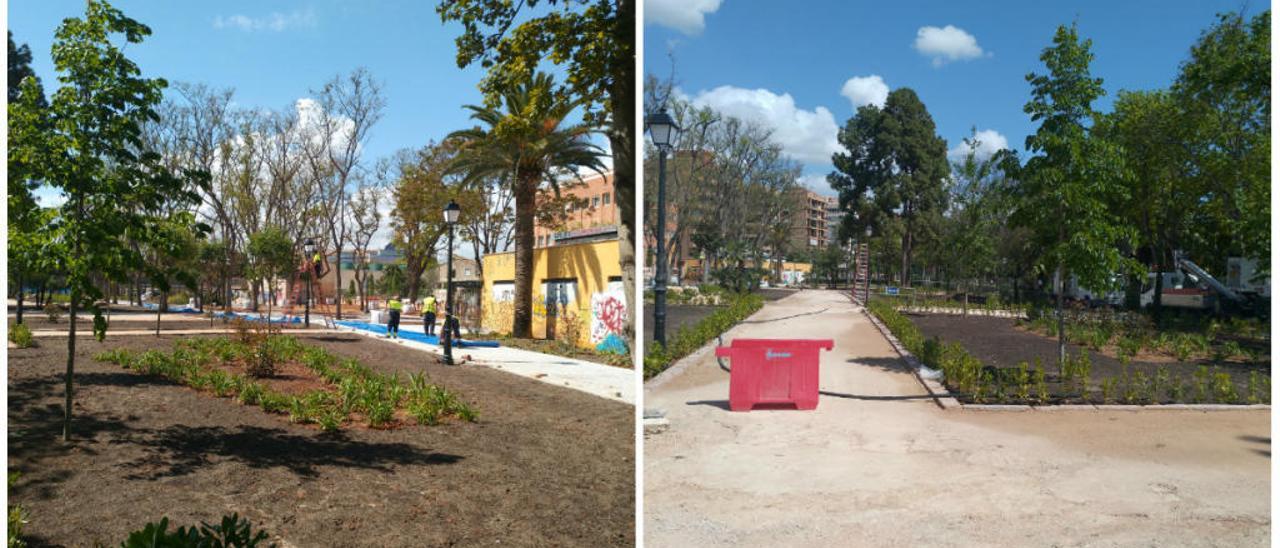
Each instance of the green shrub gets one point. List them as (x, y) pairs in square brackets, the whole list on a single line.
[(1224, 391), (1259, 388), (232, 531), (17, 517), (52, 311), (21, 336), (689, 338)]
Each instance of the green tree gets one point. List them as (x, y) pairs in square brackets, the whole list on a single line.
[(525, 143), (968, 242), (20, 69), (1066, 186), (596, 47), (393, 280), (420, 196), (88, 153), (270, 257), (1225, 90), (893, 165)]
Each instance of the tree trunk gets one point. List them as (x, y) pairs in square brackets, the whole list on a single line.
[(337, 272), (69, 387), (522, 318), (19, 283), (905, 275), (159, 308), (621, 141), (1062, 330)]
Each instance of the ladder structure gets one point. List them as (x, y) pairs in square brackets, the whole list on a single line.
[(861, 278)]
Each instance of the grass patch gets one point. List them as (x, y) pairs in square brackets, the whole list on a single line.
[(21, 336), (353, 393)]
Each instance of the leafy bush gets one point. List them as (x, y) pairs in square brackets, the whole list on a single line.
[(232, 531), (20, 334), (690, 338), (52, 311), (17, 517)]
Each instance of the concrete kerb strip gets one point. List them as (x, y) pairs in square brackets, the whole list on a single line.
[(945, 400), (612, 383), (135, 332)]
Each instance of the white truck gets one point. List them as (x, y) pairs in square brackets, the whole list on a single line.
[(1190, 287), (1075, 292)]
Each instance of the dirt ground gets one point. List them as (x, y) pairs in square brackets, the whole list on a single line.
[(543, 466), (879, 464), (998, 343)]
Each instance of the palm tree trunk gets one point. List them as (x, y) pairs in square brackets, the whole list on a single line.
[(522, 319)]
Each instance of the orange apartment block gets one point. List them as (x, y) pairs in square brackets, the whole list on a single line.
[(598, 220)]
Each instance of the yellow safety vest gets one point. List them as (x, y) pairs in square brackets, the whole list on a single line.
[(395, 305), (429, 304)]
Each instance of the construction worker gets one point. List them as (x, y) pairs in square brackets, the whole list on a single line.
[(317, 263), (450, 325), (429, 315), (393, 324)]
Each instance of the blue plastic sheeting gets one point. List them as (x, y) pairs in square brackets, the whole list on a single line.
[(418, 336), (257, 318), (172, 309)]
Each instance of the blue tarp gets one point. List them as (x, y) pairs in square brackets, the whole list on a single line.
[(172, 309), (418, 336)]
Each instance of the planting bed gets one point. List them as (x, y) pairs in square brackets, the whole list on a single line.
[(1002, 343), (543, 465)]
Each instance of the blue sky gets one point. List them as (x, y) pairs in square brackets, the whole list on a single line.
[(967, 63), (272, 53)]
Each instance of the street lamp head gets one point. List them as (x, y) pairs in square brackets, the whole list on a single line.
[(451, 212), (868, 231), (309, 246), (662, 129)]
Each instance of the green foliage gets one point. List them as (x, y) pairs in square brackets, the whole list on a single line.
[(1259, 388), (18, 517), (52, 311), (356, 387), (690, 338), (21, 336), (892, 165), (1042, 387), (232, 531)]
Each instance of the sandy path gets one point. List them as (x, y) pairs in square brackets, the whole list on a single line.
[(884, 466)]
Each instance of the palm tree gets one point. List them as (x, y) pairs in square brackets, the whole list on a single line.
[(524, 143)]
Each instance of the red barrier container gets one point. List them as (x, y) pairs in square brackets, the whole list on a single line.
[(773, 372)]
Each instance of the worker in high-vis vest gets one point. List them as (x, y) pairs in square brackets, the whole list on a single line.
[(317, 262), (429, 315), (393, 324)]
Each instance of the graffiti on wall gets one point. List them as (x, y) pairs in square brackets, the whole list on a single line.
[(608, 316)]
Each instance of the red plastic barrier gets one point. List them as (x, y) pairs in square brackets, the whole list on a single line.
[(773, 371)]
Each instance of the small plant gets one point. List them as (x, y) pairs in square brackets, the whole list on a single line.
[(17, 517), (331, 420), (931, 353), (250, 393), (1224, 391), (1024, 382), (380, 413), (232, 531), (21, 336), (1042, 387), (52, 311), (1108, 390), (1159, 383), (1203, 384), (263, 362), (1177, 389)]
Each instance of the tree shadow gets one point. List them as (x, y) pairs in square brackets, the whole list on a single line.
[(181, 450), (1263, 440), (892, 365)]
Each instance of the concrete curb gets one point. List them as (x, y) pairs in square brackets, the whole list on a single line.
[(945, 400), (941, 395), (976, 312)]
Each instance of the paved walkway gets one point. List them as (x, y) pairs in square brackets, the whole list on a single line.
[(879, 464), (614, 383)]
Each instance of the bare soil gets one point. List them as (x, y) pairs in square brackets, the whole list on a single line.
[(1000, 343), (543, 466)]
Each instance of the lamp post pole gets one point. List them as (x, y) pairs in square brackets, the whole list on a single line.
[(309, 248), (450, 217), (663, 130)]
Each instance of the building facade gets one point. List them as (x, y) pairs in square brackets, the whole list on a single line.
[(577, 294), (596, 221), (810, 228)]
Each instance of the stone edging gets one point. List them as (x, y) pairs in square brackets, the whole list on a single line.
[(945, 400)]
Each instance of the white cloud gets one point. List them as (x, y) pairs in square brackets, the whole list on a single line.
[(989, 141), (817, 183), (687, 16), (806, 135), (276, 22), (866, 90), (947, 44)]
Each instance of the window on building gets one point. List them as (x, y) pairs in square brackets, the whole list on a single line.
[(595, 202), (466, 271), (606, 198)]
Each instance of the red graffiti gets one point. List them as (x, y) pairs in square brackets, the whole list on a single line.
[(610, 312)]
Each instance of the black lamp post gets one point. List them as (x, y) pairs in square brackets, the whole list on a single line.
[(866, 293), (663, 130), (451, 213), (309, 248)]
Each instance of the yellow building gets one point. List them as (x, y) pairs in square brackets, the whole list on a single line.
[(578, 287)]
